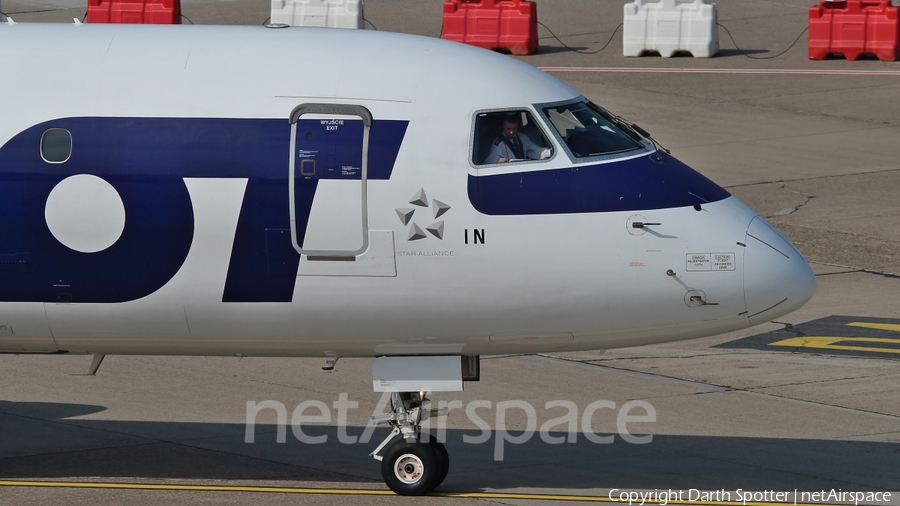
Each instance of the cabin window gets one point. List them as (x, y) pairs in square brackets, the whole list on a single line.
[(508, 137), (56, 145), (588, 130)]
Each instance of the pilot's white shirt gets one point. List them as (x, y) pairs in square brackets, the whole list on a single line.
[(499, 149)]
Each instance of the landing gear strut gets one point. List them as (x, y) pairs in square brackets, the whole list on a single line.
[(415, 465)]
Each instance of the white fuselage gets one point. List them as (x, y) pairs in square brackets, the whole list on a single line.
[(178, 110)]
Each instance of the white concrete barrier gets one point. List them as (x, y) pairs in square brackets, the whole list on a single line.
[(325, 13), (668, 26)]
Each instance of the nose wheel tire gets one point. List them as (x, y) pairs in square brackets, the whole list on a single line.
[(412, 468), (443, 459)]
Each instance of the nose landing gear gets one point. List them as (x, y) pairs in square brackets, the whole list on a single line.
[(418, 463)]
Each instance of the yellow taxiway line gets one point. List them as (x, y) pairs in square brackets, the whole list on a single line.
[(869, 344), (356, 491), (831, 343), (879, 326)]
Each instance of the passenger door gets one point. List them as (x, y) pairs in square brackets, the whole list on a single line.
[(328, 169)]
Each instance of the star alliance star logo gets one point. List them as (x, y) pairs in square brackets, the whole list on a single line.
[(438, 209)]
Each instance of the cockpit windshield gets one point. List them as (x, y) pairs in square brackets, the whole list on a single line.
[(589, 130)]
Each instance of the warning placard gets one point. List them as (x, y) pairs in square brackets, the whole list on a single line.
[(698, 262), (710, 262), (723, 261)]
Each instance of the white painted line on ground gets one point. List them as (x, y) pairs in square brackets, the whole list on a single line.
[(639, 70)]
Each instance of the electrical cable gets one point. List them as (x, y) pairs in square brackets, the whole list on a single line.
[(719, 24), (371, 23), (5, 15), (578, 50), (763, 57)]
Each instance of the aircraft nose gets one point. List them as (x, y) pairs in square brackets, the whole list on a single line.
[(777, 279)]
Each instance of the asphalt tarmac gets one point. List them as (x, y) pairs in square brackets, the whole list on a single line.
[(807, 404)]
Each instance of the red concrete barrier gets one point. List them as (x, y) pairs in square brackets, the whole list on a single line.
[(493, 24), (159, 12), (854, 28)]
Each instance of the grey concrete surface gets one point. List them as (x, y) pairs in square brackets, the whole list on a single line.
[(816, 154)]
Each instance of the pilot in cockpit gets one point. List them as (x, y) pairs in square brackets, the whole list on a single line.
[(513, 145)]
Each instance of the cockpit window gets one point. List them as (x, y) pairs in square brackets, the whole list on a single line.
[(508, 137), (589, 130)]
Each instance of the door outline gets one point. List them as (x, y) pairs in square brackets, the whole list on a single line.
[(343, 110)]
